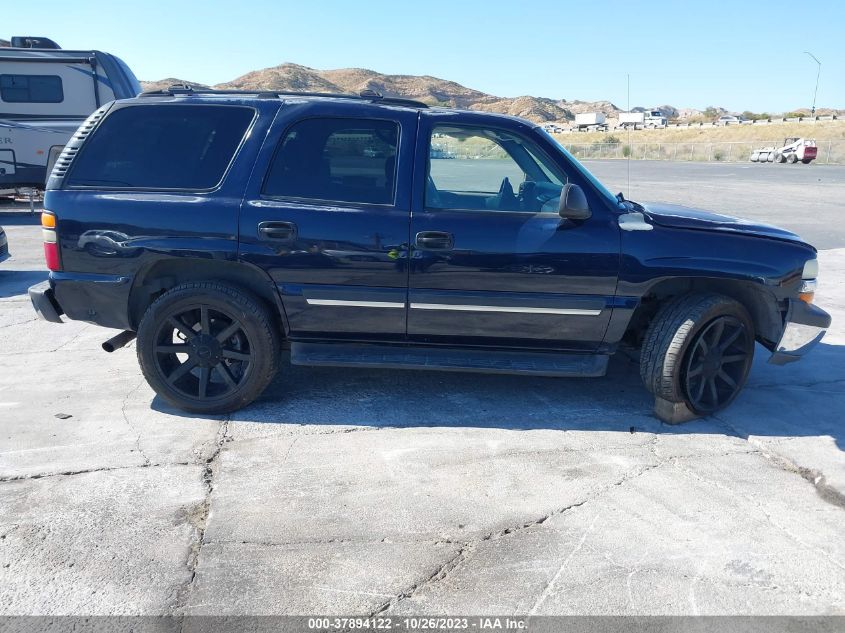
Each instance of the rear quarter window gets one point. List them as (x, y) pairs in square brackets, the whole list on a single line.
[(161, 147)]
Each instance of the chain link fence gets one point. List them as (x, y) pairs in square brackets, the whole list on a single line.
[(829, 152)]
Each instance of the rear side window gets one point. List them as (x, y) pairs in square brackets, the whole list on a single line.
[(31, 89), (342, 160), (161, 147)]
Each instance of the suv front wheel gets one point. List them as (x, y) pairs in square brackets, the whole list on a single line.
[(208, 348), (698, 350)]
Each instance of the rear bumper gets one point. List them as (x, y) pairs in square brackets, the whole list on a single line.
[(44, 302), (99, 299), (804, 327), (4, 246)]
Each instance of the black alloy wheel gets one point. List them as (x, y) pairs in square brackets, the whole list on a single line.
[(207, 347), (203, 353), (717, 364)]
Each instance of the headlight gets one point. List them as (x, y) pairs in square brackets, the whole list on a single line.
[(811, 269), (808, 281)]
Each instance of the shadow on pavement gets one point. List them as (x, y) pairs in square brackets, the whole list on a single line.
[(778, 401), (17, 282), (20, 218)]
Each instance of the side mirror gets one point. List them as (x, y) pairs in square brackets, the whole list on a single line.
[(573, 203)]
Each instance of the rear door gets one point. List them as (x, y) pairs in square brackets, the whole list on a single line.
[(492, 262), (326, 215)]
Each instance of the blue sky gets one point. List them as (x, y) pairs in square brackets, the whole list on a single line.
[(685, 54)]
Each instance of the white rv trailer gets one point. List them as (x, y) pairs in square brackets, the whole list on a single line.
[(45, 94)]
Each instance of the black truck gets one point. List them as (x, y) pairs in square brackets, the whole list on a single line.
[(362, 231)]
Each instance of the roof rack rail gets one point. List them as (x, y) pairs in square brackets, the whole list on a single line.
[(365, 95)]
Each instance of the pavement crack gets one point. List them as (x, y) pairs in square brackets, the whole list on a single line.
[(769, 516), (198, 517), (132, 426), (468, 547), (816, 478), (547, 590), (439, 574), (2, 327), (70, 340), (86, 471)]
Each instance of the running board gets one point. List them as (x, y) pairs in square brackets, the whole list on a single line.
[(448, 359)]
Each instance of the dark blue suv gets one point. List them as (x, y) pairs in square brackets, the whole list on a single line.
[(365, 231)]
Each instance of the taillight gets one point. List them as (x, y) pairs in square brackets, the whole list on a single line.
[(51, 246)]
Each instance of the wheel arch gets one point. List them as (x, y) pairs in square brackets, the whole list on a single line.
[(760, 302), (162, 275)]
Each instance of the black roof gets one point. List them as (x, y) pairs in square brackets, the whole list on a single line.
[(366, 95)]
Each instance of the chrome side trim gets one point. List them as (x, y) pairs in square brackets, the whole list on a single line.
[(526, 310), (355, 304)]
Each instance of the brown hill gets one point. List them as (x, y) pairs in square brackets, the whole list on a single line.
[(161, 84), (287, 77), (532, 108), (431, 90)]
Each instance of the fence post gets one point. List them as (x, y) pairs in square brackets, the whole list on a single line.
[(829, 144), (675, 155), (730, 151), (691, 151), (709, 151)]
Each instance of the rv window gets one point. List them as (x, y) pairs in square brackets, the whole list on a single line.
[(31, 89), (161, 147)]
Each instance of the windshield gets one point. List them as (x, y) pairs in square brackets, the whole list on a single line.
[(581, 169)]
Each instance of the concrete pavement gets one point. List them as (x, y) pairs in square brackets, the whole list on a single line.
[(411, 492)]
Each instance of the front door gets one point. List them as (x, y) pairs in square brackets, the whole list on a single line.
[(327, 216), (492, 262)]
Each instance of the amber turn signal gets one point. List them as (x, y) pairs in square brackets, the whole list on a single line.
[(807, 291), (48, 220)]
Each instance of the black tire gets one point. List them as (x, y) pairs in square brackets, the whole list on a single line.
[(683, 355), (806, 161), (231, 345), (792, 159)]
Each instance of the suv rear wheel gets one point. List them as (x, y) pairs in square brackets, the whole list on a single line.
[(207, 347), (698, 350)]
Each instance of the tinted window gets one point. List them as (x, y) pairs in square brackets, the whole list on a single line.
[(344, 160), (31, 88), (487, 169), (161, 147)]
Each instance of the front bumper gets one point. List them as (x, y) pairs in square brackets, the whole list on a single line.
[(45, 303), (804, 327)]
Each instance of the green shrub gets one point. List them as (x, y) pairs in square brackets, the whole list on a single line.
[(718, 155), (626, 151)]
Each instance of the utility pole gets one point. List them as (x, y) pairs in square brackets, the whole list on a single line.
[(819, 72)]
